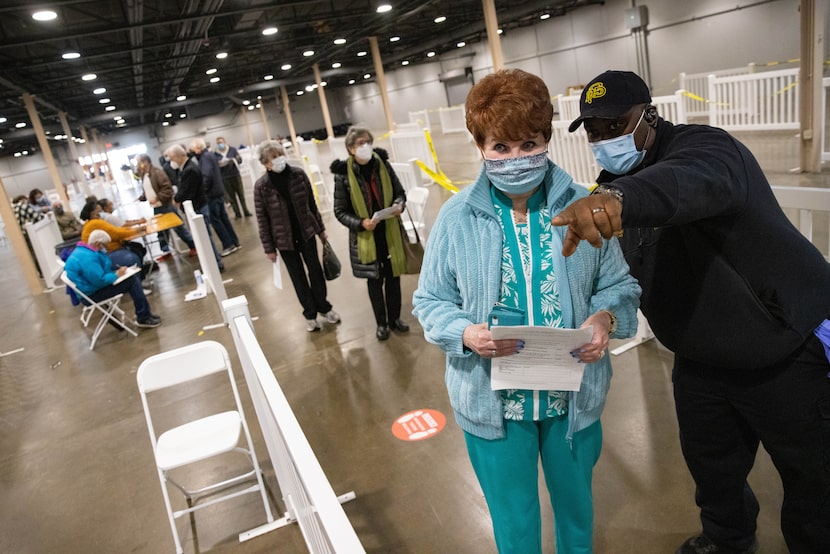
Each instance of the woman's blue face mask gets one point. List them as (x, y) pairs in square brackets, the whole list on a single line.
[(517, 175), (619, 155)]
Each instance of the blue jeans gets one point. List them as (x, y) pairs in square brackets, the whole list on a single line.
[(221, 223), (131, 286), (181, 230), (507, 470)]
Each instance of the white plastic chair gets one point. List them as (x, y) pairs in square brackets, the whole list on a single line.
[(197, 439), (110, 310), (414, 219)]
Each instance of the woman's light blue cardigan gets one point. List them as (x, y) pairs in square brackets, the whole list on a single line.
[(460, 282)]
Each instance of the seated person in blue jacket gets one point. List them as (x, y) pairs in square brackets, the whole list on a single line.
[(91, 270)]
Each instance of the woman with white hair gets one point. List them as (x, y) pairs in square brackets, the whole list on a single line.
[(289, 221), (91, 270)]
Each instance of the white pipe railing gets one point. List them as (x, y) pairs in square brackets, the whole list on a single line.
[(697, 85), (809, 203), (309, 498), (757, 102)]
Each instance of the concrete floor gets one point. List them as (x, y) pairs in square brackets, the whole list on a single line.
[(76, 473)]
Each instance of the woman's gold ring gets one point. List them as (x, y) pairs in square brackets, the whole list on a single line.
[(597, 210)]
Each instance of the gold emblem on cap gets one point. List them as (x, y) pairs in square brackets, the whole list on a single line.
[(597, 90)]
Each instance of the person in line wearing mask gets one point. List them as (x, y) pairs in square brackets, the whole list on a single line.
[(39, 201), (289, 223), (90, 268), (364, 184), (191, 187), (215, 194), (229, 160), (493, 245), (69, 225), (739, 295)]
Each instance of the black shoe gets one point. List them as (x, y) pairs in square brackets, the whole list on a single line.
[(382, 332), (248, 214), (700, 544), (149, 321), (400, 325)]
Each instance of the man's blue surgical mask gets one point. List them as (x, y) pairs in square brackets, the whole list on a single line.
[(517, 175), (619, 155)]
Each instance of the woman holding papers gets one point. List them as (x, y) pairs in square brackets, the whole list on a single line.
[(289, 224), (368, 198), (494, 253), (91, 270)]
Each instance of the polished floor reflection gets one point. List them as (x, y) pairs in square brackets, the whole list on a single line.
[(76, 474)]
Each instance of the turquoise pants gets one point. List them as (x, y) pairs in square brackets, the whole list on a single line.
[(507, 470)]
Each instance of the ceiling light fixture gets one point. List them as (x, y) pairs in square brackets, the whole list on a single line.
[(221, 55), (100, 90), (104, 100), (168, 114), (286, 66), (20, 125), (405, 62), (109, 109), (246, 102), (308, 53), (214, 79), (351, 81), (335, 65), (461, 44), (544, 16), (268, 77), (440, 19), (71, 55), (89, 77), (3, 119), (165, 123), (44, 15), (211, 71), (181, 97), (361, 53), (182, 115), (383, 8), (367, 75), (300, 92), (394, 39), (269, 31), (430, 54), (339, 41)]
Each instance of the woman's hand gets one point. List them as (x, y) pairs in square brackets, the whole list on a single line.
[(595, 350), (271, 256), (121, 271), (369, 224), (477, 338), (324, 236)]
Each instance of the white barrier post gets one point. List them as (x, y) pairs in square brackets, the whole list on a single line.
[(309, 498)]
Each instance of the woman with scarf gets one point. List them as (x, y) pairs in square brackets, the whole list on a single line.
[(363, 185), (493, 245)]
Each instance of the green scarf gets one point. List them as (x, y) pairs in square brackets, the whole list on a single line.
[(366, 250)]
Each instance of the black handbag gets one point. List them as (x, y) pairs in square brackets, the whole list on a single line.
[(413, 251), (331, 265)]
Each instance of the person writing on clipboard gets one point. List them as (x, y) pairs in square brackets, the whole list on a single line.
[(92, 271), (493, 244)]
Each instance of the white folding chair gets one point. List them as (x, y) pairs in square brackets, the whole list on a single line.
[(196, 440), (415, 220), (110, 310)]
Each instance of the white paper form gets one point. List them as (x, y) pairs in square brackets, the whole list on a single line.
[(385, 213), (545, 362)]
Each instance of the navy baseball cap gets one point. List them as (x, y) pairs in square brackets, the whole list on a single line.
[(609, 95)]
